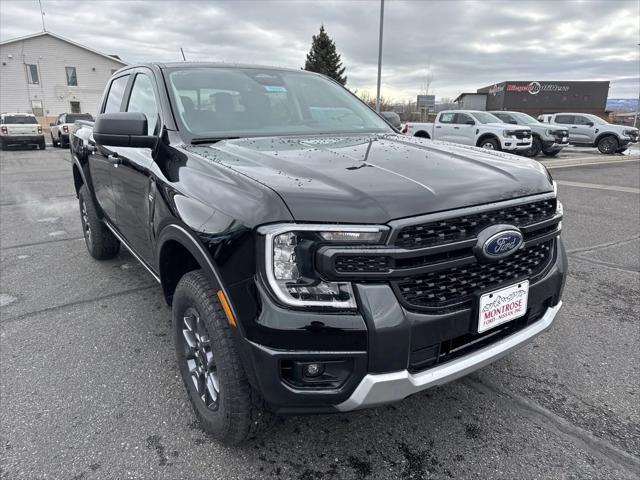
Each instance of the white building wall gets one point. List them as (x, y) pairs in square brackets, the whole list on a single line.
[(52, 55)]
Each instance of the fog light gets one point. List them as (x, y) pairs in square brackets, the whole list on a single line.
[(313, 369)]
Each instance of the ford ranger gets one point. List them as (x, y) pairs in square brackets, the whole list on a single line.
[(64, 126), (547, 138), (588, 130), (20, 129), (315, 260), (470, 127)]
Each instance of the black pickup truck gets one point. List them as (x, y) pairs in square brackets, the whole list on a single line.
[(315, 259)]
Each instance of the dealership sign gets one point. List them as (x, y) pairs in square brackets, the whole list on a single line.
[(536, 87)]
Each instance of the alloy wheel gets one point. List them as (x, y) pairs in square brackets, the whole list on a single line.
[(488, 145), (200, 360), (607, 145), (86, 225)]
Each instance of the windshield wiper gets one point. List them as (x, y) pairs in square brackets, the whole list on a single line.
[(197, 141)]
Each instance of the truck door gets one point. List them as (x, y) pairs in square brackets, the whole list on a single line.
[(583, 129), (464, 129), (567, 120), (443, 127), (131, 174), (101, 162)]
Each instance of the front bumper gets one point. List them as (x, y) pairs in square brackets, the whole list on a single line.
[(515, 144), (553, 145), (378, 389), (389, 348), (22, 139)]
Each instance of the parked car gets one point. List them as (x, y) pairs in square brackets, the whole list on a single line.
[(471, 127), (20, 129), (315, 260), (588, 130), (548, 139), (63, 126)]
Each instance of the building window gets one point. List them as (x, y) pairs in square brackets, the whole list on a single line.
[(36, 108), (32, 74), (72, 79), (75, 107)]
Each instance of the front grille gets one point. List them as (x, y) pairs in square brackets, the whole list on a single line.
[(361, 263), (454, 288), (467, 226), (522, 134)]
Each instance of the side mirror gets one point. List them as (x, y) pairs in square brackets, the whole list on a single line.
[(392, 118), (123, 129)]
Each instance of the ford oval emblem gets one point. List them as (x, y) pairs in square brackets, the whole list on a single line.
[(502, 244)]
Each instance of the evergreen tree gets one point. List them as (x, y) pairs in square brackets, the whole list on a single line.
[(323, 58)]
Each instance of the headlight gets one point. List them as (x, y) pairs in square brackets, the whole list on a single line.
[(508, 133), (289, 262), (549, 133), (629, 133)]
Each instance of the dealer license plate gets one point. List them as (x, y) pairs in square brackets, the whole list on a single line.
[(502, 306)]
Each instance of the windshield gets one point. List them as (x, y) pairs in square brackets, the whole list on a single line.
[(523, 118), (484, 117), (80, 116), (16, 119), (234, 102), (595, 119)]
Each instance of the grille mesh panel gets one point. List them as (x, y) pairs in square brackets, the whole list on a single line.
[(446, 290), (467, 226)]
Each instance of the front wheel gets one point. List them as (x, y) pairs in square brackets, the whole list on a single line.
[(101, 243), (536, 148), (223, 401), (608, 145), (42, 146), (490, 144)]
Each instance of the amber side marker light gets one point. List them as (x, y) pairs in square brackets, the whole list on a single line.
[(227, 309)]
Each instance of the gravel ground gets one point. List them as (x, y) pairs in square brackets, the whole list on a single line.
[(90, 389)]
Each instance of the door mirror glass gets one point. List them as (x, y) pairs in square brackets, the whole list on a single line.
[(123, 129)]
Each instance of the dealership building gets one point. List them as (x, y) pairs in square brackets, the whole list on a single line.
[(537, 97)]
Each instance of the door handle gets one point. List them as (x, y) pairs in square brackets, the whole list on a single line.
[(438, 126), (456, 128), (574, 127)]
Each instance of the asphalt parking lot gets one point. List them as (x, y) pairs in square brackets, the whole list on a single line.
[(90, 389)]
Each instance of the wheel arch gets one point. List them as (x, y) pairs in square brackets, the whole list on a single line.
[(422, 134), (179, 252), (486, 136), (606, 134)]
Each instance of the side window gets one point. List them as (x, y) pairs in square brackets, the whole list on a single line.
[(446, 117), (116, 92), (580, 120), (464, 119), (143, 100), (564, 119)]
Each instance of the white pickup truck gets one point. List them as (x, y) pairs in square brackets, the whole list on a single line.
[(471, 127), (64, 126), (20, 129)]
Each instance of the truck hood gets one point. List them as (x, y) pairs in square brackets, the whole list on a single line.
[(507, 126), (619, 129), (376, 178)]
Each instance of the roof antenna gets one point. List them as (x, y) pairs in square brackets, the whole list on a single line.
[(183, 57), (42, 15)]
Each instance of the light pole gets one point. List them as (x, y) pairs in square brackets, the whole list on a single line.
[(380, 55)]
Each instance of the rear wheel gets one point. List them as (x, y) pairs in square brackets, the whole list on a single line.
[(223, 401), (53, 141), (42, 145), (490, 144), (608, 145), (101, 243)]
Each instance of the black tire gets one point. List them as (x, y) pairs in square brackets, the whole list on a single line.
[(61, 142), (53, 142), (101, 243), (536, 148), (42, 146), (551, 153), (608, 145), (237, 412), (493, 142), (422, 135)]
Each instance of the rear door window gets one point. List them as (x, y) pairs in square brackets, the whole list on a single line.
[(447, 118), (116, 92), (565, 119)]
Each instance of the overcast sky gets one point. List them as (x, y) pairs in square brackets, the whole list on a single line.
[(467, 44)]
